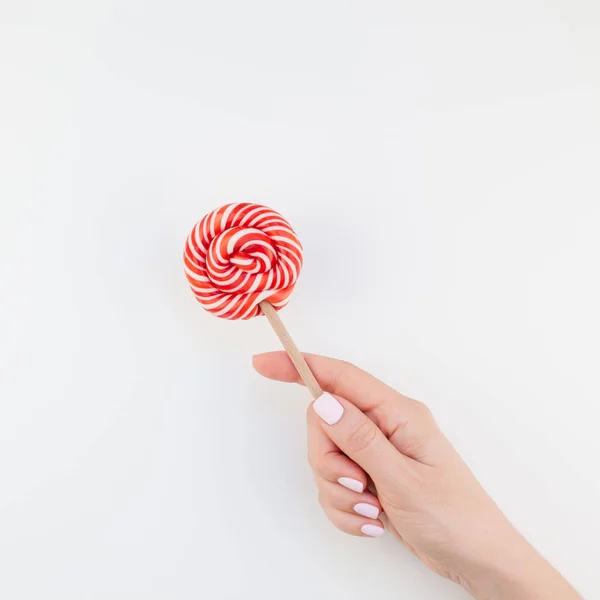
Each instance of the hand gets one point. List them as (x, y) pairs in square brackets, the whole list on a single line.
[(377, 455)]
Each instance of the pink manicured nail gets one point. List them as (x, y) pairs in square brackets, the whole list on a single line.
[(372, 530), (328, 408), (351, 484), (366, 510)]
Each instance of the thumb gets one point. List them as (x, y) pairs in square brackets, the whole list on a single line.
[(358, 437)]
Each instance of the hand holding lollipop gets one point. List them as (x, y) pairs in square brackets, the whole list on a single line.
[(242, 260)]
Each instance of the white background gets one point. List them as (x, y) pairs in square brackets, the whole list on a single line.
[(440, 162)]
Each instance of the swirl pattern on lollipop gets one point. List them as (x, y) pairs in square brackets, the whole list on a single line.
[(239, 255)]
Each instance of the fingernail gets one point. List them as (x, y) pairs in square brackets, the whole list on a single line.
[(351, 484), (366, 510), (328, 408), (372, 530)]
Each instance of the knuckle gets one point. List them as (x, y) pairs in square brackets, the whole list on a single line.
[(362, 437), (310, 459), (318, 465), (334, 380), (341, 369), (323, 499), (423, 411), (339, 526), (334, 518), (317, 480)]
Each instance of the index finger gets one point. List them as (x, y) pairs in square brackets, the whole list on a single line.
[(335, 376)]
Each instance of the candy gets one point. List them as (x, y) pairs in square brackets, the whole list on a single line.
[(240, 255)]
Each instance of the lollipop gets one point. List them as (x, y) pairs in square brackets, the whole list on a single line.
[(243, 260)]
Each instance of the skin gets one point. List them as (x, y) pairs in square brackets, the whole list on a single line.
[(427, 496)]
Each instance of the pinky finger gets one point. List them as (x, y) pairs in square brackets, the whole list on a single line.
[(355, 524)]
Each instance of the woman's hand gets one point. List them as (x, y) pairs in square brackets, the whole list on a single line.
[(377, 455)]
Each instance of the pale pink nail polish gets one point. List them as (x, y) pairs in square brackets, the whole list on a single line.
[(328, 408), (351, 484), (366, 510), (372, 530)]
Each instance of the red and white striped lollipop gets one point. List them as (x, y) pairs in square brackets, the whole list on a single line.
[(242, 260), (239, 255)]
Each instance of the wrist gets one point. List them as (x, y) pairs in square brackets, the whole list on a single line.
[(511, 569)]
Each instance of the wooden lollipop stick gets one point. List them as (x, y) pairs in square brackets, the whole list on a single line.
[(288, 343)]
